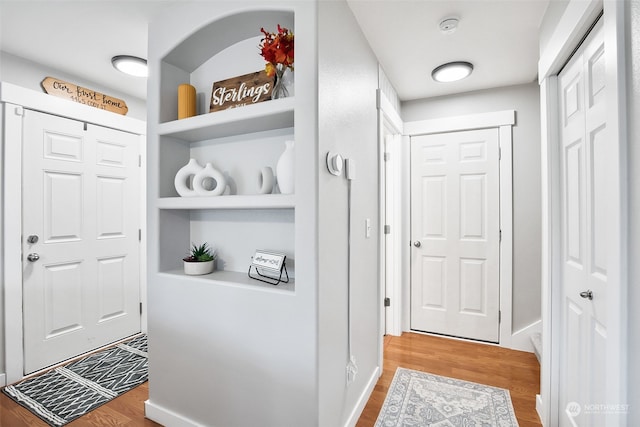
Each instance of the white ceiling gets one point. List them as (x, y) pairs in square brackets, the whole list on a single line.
[(499, 37)]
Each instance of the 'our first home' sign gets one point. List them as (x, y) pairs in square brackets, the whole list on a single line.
[(84, 96), (242, 90)]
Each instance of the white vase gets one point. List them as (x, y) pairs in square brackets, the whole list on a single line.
[(265, 181), (209, 172), (198, 268), (285, 169), (184, 176)]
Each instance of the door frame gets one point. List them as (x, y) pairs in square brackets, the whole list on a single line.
[(15, 100), (389, 121), (574, 24), (503, 121)]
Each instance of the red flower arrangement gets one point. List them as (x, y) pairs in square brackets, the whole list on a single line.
[(277, 49)]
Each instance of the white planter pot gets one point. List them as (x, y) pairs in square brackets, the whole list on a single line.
[(198, 268)]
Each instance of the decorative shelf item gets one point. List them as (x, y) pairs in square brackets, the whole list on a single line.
[(186, 101), (184, 177), (285, 169), (266, 181), (200, 261), (274, 264), (241, 91), (278, 50), (209, 173)]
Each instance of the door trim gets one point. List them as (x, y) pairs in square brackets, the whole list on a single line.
[(503, 121), (15, 99), (390, 121), (571, 29)]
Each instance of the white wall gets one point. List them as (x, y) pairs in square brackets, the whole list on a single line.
[(348, 78), (526, 180), (633, 113), (29, 74)]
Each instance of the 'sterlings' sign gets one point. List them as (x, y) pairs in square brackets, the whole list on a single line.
[(242, 90)]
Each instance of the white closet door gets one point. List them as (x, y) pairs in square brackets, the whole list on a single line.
[(81, 202), (585, 162)]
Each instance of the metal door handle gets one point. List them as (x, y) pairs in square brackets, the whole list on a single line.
[(588, 294), (417, 243), (32, 239), (33, 257)]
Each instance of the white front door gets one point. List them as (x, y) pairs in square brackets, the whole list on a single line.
[(455, 228), (585, 167), (80, 238)]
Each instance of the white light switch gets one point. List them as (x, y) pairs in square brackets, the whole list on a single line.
[(367, 228)]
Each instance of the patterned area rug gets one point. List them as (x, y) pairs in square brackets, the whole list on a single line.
[(422, 399), (63, 394)]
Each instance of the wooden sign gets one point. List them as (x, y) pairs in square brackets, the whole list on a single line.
[(242, 90), (82, 95)]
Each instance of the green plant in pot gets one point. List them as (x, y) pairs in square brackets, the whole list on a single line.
[(200, 260)]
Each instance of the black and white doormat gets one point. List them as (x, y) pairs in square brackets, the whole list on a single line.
[(63, 394)]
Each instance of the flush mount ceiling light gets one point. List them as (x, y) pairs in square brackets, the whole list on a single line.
[(452, 71), (131, 65)]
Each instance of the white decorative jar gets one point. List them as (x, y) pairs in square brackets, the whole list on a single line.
[(198, 268), (184, 178), (285, 169)]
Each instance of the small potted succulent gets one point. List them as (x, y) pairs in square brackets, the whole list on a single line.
[(200, 260)]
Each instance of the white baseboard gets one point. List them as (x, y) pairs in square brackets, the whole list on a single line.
[(3, 380), (539, 408), (521, 340), (166, 417), (364, 398)]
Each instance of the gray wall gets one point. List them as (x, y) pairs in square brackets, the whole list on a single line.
[(525, 99), (29, 74), (348, 78), (633, 113)]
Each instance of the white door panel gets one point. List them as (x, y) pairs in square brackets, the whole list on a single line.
[(455, 228), (81, 199), (585, 161)]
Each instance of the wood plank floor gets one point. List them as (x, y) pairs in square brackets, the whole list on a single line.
[(514, 370), (517, 371)]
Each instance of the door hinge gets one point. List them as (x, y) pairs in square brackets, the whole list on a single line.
[(387, 156), (140, 308), (387, 229), (139, 235), (499, 153), (500, 237), (19, 111), (499, 316), (387, 302), (140, 160), (85, 125)]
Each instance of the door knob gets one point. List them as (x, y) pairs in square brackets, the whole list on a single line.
[(588, 294), (32, 239), (417, 243), (33, 257)]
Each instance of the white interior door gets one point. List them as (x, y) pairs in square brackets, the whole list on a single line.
[(81, 283), (455, 226), (585, 168)]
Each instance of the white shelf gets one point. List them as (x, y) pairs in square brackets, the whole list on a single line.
[(236, 279), (262, 201), (267, 115)]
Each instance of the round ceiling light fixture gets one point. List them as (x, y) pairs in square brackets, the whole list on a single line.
[(452, 71), (131, 65)]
